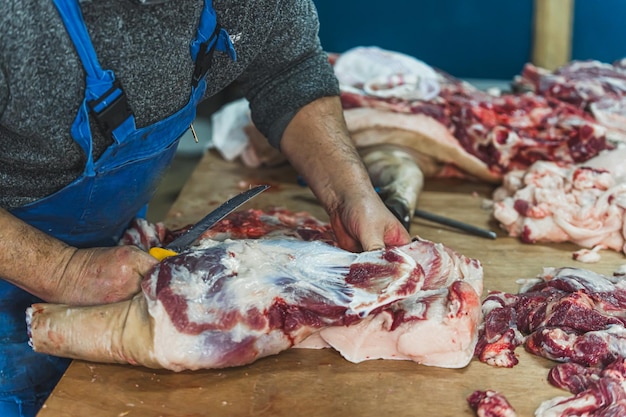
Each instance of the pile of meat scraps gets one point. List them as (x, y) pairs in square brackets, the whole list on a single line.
[(583, 201), (569, 315), (261, 282), (556, 202)]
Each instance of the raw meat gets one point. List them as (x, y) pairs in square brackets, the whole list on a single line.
[(490, 404), (434, 327), (599, 88), (597, 392), (505, 133), (572, 316), (378, 72), (552, 202), (273, 223), (228, 303), (611, 113), (437, 152), (429, 142), (465, 132), (580, 83), (566, 314), (146, 235)]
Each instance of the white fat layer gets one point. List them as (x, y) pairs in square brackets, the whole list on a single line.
[(581, 203), (490, 305), (558, 406), (584, 278), (256, 273), (259, 270), (29, 320), (616, 339)]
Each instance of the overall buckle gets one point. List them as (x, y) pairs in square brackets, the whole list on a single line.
[(204, 58), (111, 116)]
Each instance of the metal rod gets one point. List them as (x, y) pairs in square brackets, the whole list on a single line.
[(193, 132), (455, 224)]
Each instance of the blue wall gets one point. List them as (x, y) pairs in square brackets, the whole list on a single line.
[(599, 30), (467, 38)]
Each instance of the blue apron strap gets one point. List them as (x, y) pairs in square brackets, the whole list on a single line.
[(210, 36), (73, 20), (104, 96)]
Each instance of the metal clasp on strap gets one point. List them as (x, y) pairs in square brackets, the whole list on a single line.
[(111, 109)]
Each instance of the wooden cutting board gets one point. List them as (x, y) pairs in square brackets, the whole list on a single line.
[(302, 382)]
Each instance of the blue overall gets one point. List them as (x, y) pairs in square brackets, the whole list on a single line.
[(95, 209)]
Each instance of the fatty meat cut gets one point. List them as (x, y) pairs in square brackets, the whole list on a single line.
[(581, 203), (229, 302)]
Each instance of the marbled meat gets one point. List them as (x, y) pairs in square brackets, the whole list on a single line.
[(572, 316), (230, 302), (596, 87), (466, 132), (490, 403)]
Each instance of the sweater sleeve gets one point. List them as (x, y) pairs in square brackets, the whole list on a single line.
[(290, 72)]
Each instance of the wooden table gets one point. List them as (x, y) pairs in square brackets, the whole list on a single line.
[(302, 382)]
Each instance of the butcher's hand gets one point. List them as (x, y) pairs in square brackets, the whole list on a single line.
[(58, 273), (318, 145), (362, 222), (100, 275)]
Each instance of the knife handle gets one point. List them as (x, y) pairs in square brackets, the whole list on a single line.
[(161, 253)]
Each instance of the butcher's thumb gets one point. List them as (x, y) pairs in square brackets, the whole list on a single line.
[(373, 244), (393, 236)]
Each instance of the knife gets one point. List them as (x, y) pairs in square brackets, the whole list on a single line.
[(474, 230), (194, 232)]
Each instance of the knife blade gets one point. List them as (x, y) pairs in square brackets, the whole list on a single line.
[(474, 230), (194, 232)]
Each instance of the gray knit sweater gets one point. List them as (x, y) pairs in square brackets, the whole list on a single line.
[(280, 67)]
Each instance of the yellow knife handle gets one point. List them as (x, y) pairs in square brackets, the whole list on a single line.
[(161, 253)]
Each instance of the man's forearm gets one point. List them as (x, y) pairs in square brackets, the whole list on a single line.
[(318, 145), (30, 258)]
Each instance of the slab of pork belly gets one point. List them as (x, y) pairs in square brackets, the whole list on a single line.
[(435, 327)]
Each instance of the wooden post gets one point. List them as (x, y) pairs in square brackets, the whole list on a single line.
[(552, 40)]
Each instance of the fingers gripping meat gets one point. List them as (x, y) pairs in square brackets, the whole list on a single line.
[(397, 176)]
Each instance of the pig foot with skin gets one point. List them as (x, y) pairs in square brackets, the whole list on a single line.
[(398, 178)]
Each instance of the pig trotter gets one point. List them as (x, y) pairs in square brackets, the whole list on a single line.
[(398, 178)]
